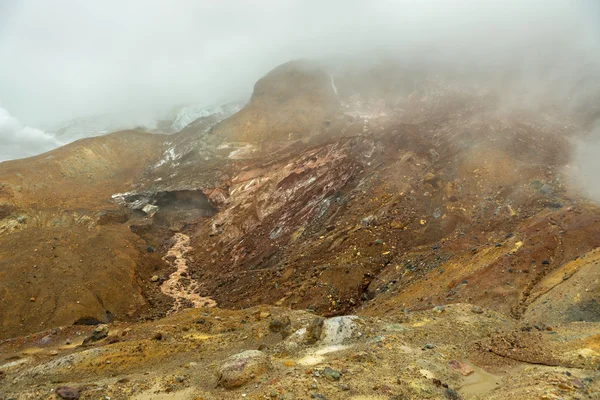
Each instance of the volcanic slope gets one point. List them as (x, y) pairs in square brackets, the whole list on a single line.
[(65, 252), (447, 222)]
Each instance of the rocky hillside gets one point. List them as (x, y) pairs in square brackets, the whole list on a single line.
[(65, 250), (373, 234), (305, 99)]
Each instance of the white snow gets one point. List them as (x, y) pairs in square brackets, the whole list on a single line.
[(333, 85), (169, 156)]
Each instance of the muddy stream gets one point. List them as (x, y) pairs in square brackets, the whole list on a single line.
[(180, 286)]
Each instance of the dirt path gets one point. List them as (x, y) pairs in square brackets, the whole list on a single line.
[(180, 286)]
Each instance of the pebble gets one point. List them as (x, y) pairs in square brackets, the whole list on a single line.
[(451, 394), (331, 374), (279, 324), (428, 346), (397, 225), (461, 367), (264, 315), (67, 392), (477, 310), (546, 189), (429, 178), (99, 332), (369, 220), (155, 278)]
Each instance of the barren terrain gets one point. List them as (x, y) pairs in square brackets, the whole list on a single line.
[(449, 225)]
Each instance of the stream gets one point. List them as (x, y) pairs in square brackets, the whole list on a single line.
[(180, 286)]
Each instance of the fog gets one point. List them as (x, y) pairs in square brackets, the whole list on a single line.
[(22, 141), (63, 59)]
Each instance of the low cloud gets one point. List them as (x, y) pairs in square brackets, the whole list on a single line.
[(65, 59), (18, 141)]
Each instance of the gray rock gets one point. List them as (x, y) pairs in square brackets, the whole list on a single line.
[(476, 310), (337, 330), (150, 209), (240, 368), (315, 330), (451, 394), (281, 325), (370, 220), (546, 189), (535, 184), (332, 331), (99, 332), (331, 374)]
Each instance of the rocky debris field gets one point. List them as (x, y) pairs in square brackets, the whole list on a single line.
[(452, 352)]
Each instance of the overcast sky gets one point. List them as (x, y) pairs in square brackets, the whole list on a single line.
[(61, 59)]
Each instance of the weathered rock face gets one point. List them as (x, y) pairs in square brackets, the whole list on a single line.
[(293, 101), (241, 368)]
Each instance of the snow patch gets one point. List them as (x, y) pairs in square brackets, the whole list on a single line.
[(169, 155), (333, 85)]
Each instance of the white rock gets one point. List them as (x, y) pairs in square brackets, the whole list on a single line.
[(150, 209), (336, 330)]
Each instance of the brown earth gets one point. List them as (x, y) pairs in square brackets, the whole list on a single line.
[(65, 251), (304, 97)]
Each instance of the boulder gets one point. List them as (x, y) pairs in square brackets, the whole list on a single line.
[(240, 368), (332, 331)]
